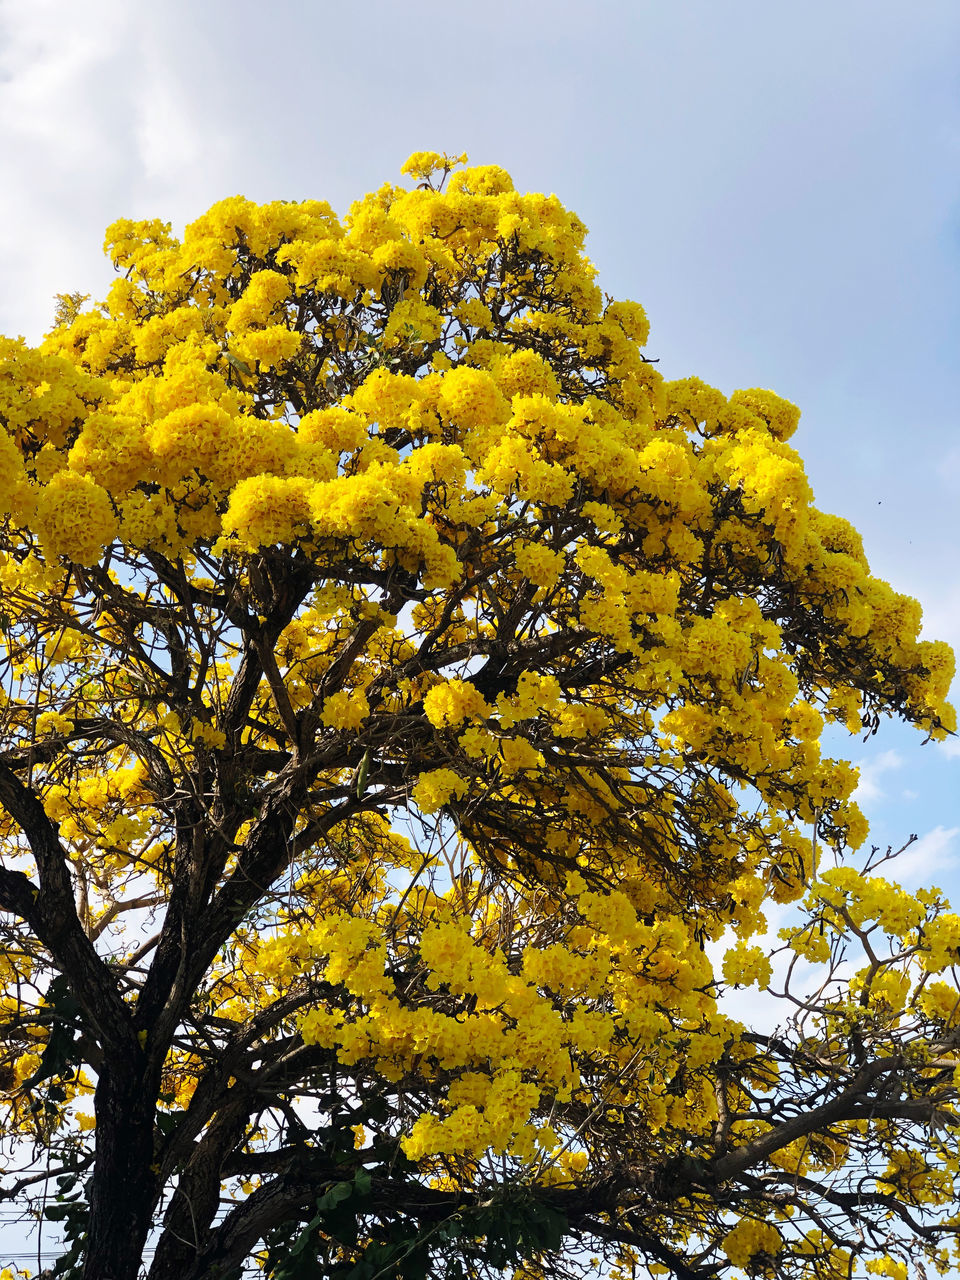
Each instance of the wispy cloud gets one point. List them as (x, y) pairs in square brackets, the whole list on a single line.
[(186, 143), (102, 115), (869, 787), (65, 87), (934, 854)]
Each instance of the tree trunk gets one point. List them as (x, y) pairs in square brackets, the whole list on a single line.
[(123, 1187)]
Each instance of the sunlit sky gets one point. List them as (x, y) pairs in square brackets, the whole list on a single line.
[(776, 183)]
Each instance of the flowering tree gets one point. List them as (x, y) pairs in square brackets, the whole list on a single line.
[(407, 695)]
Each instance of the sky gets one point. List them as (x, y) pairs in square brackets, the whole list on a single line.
[(777, 184)]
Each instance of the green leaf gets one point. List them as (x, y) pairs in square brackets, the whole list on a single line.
[(415, 1265), (58, 1212), (167, 1121), (300, 1266), (339, 1191), (238, 364), (546, 1227)]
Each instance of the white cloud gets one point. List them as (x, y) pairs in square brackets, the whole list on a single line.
[(932, 855), (185, 143), (869, 787), (103, 114), (65, 85), (167, 138)]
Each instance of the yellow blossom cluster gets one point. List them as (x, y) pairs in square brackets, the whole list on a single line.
[(367, 595), (750, 1240)]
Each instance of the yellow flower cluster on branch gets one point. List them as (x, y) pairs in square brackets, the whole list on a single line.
[(410, 704)]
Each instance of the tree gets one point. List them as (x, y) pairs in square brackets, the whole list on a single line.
[(408, 694)]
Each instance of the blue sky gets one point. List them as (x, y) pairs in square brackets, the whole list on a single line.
[(777, 184)]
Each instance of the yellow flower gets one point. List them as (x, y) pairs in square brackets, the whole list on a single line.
[(267, 347), (433, 790), (208, 734), (750, 1238), (423, 164), (53, 722), (471, 399), (345, 710), (541, 565), (746, 966), (266, 510), (75, 517), (452, 702)]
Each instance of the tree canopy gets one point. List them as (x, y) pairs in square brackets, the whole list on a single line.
[(410, 704)]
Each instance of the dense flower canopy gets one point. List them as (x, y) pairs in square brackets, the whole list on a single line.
[(407, 692)]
